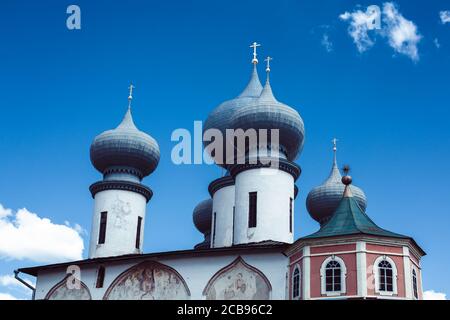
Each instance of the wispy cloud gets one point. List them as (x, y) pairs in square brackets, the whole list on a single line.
[(445, 16), (25, 235), (401, 34), (433, 295), (7, 296), (359, 28), (326, 42), (436, 43)]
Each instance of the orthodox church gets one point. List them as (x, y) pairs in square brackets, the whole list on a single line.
[(249, 249)]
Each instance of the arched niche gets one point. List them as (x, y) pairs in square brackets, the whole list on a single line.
[(66, 289), (238, 281), (149, 280)]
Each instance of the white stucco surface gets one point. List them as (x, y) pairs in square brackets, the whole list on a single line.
[(123, 209), (223, 207), (274, 188)]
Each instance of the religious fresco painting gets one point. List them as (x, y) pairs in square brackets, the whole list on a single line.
[(238, 281), (148, 281), (65, 290)]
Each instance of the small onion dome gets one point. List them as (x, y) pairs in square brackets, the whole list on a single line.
[(202, 217), (322, 201), (268, 113), (220, 118), (125, 146)]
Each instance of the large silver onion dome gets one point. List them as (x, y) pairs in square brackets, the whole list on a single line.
[(221, 117), (322, 201), (125, 146), (268, 113), (202, 217)]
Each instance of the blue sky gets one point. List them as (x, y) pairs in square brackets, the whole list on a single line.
[(388, 108)]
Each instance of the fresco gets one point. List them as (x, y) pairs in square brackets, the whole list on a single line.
[(62, 292), (238, 281), (148, 281)]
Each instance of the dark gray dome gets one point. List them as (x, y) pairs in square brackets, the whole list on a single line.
[(322, 201), (202, 216), (221, 117), (125, 146), (268, 113)]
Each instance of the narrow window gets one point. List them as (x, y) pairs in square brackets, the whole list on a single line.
[(333, 276), (290, 215), (296, 283), (385, 276), (138, 233), (252, 210), (100, 277), (414, 279), (214, 229), (232, 234), (102, 231)]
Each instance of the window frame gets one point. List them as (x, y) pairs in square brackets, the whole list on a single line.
[(323, 280), (376, 271), (252, 214), (299, 295), (102, 227), (415, 283)]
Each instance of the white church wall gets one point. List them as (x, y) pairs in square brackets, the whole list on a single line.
[(274, 188), (123, 209), (195, 271), (223, 207)]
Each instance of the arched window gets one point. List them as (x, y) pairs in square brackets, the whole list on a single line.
[(333, 273), (296, 283), (414, 280), (385, 276), (333, 276)]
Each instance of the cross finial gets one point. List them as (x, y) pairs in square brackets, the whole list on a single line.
[(334, 144), (268, 59), (130, 97), (254, 46)]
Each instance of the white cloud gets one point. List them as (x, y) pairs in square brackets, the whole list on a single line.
[(8, 280), (326, 42), (7, 296), (433, 295), (445, 16), (24, 235), (359, 27), (402, 34)]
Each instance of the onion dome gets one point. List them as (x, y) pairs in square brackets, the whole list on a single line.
[(202, 217), (349, 218), (221, 117), (322, 201), (125, 148), (268, 113)]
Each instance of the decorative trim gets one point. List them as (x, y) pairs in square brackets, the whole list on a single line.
[(343, 277), (128, 170), (284, 165), (121, 185), (229, 267), (125, 273), (306, 268), (219, 184), (361, 268), (61, 283), (407, 270), (376, 273)]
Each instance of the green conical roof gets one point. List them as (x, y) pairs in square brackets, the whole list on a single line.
[(349, 219)]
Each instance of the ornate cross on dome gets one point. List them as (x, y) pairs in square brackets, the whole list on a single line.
[(130, 97), (334, 144), (254, 46), (268, 59)]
